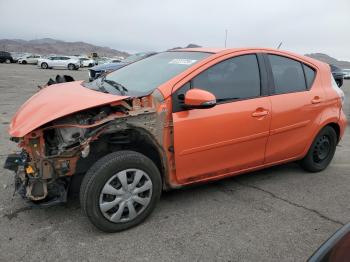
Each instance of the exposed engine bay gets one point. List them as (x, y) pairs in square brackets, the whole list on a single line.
[(53, 153)]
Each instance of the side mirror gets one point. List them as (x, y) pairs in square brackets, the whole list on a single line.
[(198, 98)]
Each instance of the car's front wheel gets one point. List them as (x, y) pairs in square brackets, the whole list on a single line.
[(321, 151), (7, 61), (120, 190), (24, 62)]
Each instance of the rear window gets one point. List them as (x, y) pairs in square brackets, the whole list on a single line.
[(5, 53), (288, 74)]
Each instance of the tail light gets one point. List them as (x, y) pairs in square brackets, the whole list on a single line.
[(338, 90)]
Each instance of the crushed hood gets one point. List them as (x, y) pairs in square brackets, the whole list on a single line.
[(56, 101)]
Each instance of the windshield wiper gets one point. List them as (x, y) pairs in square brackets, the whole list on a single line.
[(122, 89)]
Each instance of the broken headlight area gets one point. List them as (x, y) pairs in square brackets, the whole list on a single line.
[(50, 154), (69, 145)]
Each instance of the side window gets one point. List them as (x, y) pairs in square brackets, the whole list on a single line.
[(288, 74), (309, 75), (232, 79)]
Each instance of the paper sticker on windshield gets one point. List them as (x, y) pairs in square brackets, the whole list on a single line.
[(180, 61)]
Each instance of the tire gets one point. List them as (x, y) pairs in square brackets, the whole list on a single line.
[(44, 65), (71, 67), (321, 151), (105, 172), (24, 62), (90, 65), (8, 61)]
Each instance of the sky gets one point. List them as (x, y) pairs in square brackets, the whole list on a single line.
[(304, 26)]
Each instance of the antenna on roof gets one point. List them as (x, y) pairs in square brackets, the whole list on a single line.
[(225, 37), (279, 45)]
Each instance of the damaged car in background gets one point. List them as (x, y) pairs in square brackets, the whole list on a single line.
[(173, 119)]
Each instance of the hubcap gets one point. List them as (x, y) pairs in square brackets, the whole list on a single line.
[(125, 195), (322, 149)]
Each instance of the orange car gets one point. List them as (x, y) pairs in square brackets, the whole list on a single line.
[(176, 118)]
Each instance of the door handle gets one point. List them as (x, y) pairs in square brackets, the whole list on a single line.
[(316, 100), (260, 112)]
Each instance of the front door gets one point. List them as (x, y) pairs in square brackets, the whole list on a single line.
[(230, 136)]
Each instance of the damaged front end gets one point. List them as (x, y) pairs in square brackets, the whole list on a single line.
[(49, 157), (54, 152), (31, 184)]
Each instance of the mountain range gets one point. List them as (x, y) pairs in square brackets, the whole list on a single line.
[(47, 46), (329, 60)]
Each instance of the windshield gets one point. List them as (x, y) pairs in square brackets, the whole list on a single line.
[(142, 77)]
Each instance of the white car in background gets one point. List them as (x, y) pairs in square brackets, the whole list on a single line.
[(87, 62), (67, 62), (29, 59), (346, 73)]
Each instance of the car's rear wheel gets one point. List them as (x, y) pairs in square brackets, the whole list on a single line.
[(7, 61), (44, 65), (71, 67), (321, 151), (120, 190)]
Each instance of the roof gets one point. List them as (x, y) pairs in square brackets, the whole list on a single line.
[(223, 51)]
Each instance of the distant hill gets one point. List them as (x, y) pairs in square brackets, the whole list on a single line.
[(52, 46), (329, 60), (47, 46), (188, 46)]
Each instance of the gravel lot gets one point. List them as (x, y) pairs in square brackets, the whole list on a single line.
[(278, 214)]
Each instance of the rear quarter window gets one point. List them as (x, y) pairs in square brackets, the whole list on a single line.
[(310, 75), (288, 74)]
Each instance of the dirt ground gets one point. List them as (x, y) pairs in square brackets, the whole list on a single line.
[(278, 214)]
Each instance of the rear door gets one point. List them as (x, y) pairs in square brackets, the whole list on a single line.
[(55, 62), (63, 61), (230, 136), (296, 99)]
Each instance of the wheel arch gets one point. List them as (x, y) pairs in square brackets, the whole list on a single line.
[(336, 128), (134, 139), (332, 123)]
